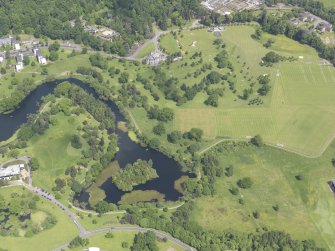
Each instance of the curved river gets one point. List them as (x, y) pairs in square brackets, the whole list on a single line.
[(167, 169)]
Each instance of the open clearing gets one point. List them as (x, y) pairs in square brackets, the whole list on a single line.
[(305, 207), (298, 114)]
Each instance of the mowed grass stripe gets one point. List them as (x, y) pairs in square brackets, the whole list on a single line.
[(204, 119), (239, 123)]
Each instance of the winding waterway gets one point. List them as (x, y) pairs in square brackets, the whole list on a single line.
[(167, 169)]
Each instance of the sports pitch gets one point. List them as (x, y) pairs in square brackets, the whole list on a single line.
[(299, 113)]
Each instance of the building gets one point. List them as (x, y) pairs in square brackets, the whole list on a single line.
[(91, 29), (17, 46), (6, 41), (1, 59), (325, 27), (40, 58), (155, 58), (93, 249), (7, 173), (19, 63)]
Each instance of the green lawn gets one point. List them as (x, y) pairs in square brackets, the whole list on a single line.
[(46, 240), (145, 51), (169, 43), (115, 243), (305, 207), (299, 112), (328, 3)]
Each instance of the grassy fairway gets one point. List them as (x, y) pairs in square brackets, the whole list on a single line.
[(169, 43), (115, 243), (305, 207), (299, 112), (56, 157), (61, 233)]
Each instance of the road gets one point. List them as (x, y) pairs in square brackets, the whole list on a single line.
[(159, 234)]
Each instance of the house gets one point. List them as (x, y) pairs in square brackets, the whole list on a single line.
[(331, 185), (7, 173), (40, 58), (19, 63), (17, 46), (325, 27), (155, 58), (1, 59), (6, 41), (91, 29)]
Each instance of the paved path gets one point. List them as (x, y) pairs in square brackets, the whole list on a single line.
[(159, 234), (52, 199)]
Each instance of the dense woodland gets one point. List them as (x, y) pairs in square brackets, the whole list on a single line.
[(63, 20)]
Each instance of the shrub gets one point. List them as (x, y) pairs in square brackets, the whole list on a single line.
[(245, 183)]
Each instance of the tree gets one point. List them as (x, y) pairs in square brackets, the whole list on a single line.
[(44, 71), (159, 129), (103, 207), (194, 134), (54, 47), (78, 241), (230, 171), (257, 141), (124, 77), (75, 142), (26, 60), (333, 162), (53, 56), (245, 183), (145, 241), (34, 164), (134, 174), (174, 137)]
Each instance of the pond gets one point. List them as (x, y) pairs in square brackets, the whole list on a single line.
[(167, 169)]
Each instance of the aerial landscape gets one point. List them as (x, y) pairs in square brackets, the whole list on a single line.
[(167, 125)]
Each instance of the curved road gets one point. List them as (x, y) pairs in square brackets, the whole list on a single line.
[(137, 229)]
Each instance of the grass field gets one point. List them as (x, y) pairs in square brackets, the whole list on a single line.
[(328, 3), (168, 42), (299, 113), (46, 240), (305, 207), (145, 51), (115, 243)]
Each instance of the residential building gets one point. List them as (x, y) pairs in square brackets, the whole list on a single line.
[(7, 173), (155, 58), (19, 62), (6, 41), (325, 27), (17, 46), (40, 58)]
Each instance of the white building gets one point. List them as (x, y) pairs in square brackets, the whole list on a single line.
[(17, 46), (1, 59), (93, 249), (6, 173), (18, 67), (155, 58)]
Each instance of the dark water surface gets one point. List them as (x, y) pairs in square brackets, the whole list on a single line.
[(167, 169)]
